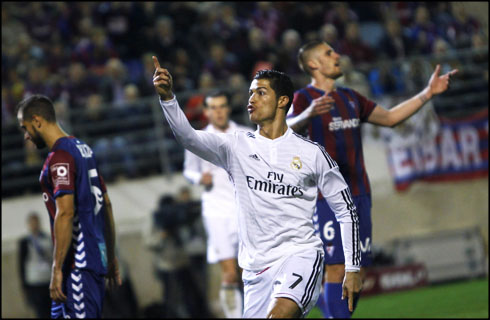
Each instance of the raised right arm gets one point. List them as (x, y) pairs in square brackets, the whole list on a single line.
[(209, 146)]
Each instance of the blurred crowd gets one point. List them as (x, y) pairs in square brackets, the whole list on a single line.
[(93, 59), (81, 52)]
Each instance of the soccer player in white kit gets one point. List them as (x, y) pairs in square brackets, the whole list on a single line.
[(276, 174), (219, 210)]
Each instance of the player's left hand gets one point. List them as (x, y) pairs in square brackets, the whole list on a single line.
[(55, 291), (113, 277), (439, 84), (351, 287)]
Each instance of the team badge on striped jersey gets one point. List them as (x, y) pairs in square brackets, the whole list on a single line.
[(296, 164)]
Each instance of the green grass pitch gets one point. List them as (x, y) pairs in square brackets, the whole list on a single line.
[(468, 299)]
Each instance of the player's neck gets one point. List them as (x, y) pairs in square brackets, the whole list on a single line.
[(323, 83), (222, 129), (52, 135), (273, 129)]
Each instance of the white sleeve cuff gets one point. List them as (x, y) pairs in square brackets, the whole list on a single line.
[(352, 268)]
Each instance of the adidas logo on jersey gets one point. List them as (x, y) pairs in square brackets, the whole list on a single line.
[(254, 156)]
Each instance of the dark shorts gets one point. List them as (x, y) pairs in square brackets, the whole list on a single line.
[(84, 292), (328, 227)]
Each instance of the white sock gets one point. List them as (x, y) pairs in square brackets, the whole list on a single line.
[(231, 300)]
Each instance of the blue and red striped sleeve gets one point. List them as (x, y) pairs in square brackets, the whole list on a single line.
[(62, 173), (366, 106)]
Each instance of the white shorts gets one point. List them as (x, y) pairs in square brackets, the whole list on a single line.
[(222, 239), (297, 277)]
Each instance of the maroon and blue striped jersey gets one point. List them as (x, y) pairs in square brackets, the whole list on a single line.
[(70, 168), (339, 131)]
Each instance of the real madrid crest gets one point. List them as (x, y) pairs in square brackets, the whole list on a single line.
[(296, 163)]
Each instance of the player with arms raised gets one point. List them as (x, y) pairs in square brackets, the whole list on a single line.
[(80, 212), (333, 116), (276, 175)]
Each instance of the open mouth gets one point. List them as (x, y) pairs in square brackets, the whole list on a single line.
[(250, 109)]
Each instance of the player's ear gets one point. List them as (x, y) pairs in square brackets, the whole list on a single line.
[(206, 111), (312, 64), (36, 121), (283, 101)]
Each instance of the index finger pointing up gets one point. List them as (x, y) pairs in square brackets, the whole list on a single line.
[(155, 62), (438, 69)]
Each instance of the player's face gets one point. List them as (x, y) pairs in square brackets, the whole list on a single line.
[(218, 111), (34, 224), (262, 103), (30, 132), (327, 61)]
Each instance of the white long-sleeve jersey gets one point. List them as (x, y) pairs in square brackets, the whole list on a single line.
[(276, 184), (219, 201)]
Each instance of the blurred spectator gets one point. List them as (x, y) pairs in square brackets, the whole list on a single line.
[(401, 10), (394, 44), (58, 58), (352, 78), (167, 237), (220, 63), (340, 16), (238, 95), (114, 18), (112, 84), (35, 259), (63, 114), (479, 43), (79, 85), (386, 79), (258, 51), (462, 27), (353, 46), (416, 71), (423, 31), (111, 150), (442, 16), (288, 52), (96, 50), (228, 24), (328, 33), (194, 107), (305, 17), (165, 41), (444, 55), (185, 71), (39, 21), (266, 17)]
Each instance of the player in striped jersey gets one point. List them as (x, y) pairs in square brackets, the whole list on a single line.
[(276, 174), (333, 116), (80, 212)]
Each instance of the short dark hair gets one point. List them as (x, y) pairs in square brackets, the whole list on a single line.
[(37, 105), (279, 82), (216, 93), (302, 54)]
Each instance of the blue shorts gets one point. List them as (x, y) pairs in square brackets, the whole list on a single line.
[(326, 224), (84, 292)]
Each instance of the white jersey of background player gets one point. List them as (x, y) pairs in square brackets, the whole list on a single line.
[(219, 210), (277, 175)]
